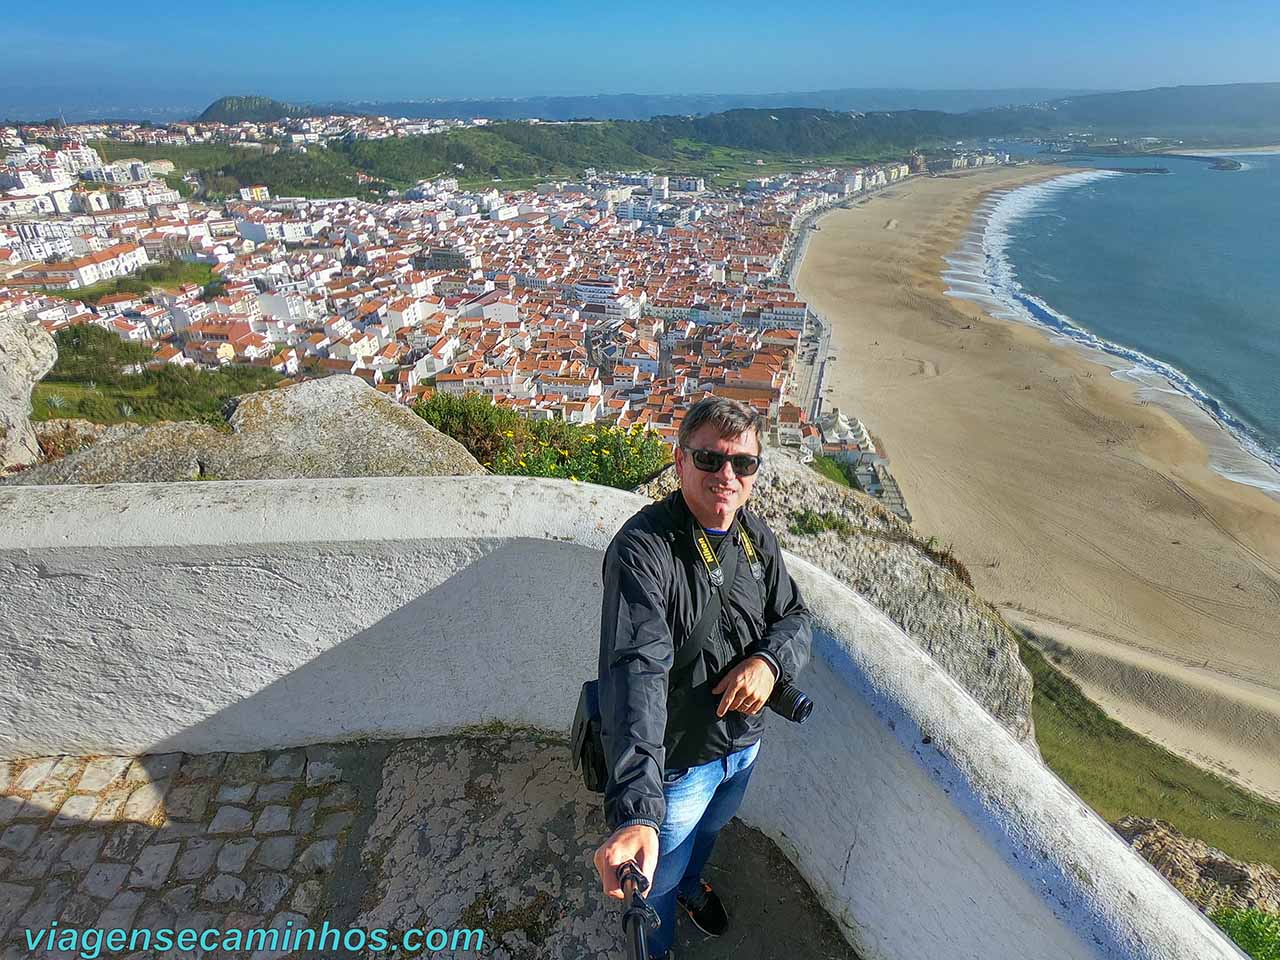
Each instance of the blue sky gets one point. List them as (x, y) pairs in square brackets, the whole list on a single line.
[(175, 53)]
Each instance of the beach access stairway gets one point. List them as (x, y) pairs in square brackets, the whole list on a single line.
[(251, 617)]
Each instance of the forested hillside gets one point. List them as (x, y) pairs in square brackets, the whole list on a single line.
[(725, 143)]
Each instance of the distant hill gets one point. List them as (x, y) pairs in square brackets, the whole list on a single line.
[(1233, 109), (631, 106), (240, 109), (804, 132), (726, 144), (1240, 112)]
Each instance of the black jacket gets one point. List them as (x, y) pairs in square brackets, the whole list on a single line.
[(655, 588)]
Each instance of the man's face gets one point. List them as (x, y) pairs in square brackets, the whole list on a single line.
[(715, 497)]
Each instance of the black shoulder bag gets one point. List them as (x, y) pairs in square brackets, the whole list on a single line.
[(586, 742)]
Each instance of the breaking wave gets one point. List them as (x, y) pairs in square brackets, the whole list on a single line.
[(979, 269)]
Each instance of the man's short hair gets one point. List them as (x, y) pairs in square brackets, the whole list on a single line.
[(729, 417)]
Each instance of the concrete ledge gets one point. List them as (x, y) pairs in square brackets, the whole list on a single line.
[(262, 614)]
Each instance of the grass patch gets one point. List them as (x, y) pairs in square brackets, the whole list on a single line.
[(174, 180), (1118, 772), (1255, 932), (165, 275), (88, 381), (56, 400), (834, 470), (809, 523), (189, 157)]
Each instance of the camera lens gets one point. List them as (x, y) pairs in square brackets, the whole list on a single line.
[(789, 701)]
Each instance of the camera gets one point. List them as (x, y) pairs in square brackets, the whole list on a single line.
[(789, 701)]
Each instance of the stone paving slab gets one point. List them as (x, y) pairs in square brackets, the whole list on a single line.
[(141, 841), (494, 833), (499, 834)]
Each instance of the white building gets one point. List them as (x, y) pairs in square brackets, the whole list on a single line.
[(115, 261)]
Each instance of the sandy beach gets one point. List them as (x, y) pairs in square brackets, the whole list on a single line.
[(1082, 512)]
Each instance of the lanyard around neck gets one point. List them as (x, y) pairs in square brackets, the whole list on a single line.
[(712, 562)]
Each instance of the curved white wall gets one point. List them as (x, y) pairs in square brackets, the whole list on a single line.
[(248, 615)]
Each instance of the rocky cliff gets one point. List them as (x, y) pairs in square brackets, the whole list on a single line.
[(335, 427), (1203, 874), (875, 553), (27, 353)]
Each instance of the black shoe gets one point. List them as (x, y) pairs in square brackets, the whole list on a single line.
[(705, 910)]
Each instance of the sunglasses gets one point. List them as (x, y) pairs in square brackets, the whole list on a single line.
[(744, 464)]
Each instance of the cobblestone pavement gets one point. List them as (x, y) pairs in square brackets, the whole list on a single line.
[(491, 833), (218, 840)]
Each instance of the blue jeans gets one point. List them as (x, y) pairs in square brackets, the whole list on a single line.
[(699, 803)]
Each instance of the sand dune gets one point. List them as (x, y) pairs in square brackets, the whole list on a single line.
[(1086, 515)]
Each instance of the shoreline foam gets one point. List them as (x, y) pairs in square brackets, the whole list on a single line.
[(980, 270)]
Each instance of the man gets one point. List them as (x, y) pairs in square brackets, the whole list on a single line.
[(680, 733)]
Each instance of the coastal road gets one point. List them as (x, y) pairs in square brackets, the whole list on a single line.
[(811, 375)]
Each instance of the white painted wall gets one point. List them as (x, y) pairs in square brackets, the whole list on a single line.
[(249, 615)]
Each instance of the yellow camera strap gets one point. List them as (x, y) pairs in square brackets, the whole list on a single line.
[(690, 651), (712, 562), (753, 558)]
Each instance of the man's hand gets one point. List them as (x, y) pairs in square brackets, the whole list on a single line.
[(638, 843), (746, 687)]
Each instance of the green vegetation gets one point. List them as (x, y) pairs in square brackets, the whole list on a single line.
[(506, 150), (721, 147), (319, 172), (810, 523), (192, 157), (1177, 107), (525, 152), (1255, 932), (166, 275), (837, 471), (240, 109), (1118, 772), (509, 443), (89, 380), (176, 182), (223, 170), (724, 166), (522, 154), (1229, 112)]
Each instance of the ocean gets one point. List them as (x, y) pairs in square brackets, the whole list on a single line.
[(1173, 279)]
